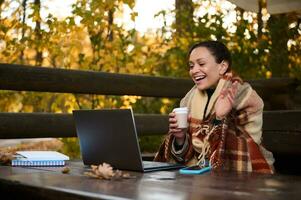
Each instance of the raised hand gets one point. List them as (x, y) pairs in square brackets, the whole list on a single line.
[(225, 101)]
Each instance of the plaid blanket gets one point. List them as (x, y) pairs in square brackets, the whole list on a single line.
[(234, 144)]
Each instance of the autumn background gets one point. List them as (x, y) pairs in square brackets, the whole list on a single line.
[(98, 36)]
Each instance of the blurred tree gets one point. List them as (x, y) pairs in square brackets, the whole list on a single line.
[(245, 48), (36, 17), (184, 17), (262, 8), (110, 24), (294, 45), (24, 3), (278, 59), (1, 2)]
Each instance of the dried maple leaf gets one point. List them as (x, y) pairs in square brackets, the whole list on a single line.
[(94, 167), (126, 175), (118, 174), (106, 171), (91, 174)]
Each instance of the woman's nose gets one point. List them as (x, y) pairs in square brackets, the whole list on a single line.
[(195, 69)]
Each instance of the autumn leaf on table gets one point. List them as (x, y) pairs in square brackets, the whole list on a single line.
[(65, 170), (105, 171), (6, 158), (102, 171)]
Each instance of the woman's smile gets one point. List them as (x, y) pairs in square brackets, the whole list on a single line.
[(198, 78)]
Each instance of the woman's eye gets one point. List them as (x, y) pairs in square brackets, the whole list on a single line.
[(190, 66), (201, 64)]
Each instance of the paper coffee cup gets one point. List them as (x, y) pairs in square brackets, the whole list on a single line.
[(181, 116)]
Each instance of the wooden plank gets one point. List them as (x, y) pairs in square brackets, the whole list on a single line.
[(283, 142), (281, 130), (44, 125), (27, 78), (36, 125), (48, 123), (282, 120), (279, 84)]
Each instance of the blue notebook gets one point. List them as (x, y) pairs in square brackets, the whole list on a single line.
[(39, 158)]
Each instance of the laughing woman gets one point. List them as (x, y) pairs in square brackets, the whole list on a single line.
[(225, 117)]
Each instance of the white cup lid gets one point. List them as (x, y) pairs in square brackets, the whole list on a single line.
[(181, 109)]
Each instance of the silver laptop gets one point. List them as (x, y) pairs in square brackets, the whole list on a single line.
[(109, 135)]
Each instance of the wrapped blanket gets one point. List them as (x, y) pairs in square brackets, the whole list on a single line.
[(232, 144)]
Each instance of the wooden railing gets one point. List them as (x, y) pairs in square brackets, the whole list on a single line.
[(282, 128)]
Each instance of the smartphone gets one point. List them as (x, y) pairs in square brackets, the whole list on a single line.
[(195, 170)]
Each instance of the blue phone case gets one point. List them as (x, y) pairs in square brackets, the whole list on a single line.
[(188, 170)]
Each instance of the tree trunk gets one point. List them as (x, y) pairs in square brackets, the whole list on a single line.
[(278, 60), (1, 2), (23, 30), (110, 24), (262, 4), (184, 17), (38, 34)]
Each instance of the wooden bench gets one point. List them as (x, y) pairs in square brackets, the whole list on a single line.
[(281, 129)]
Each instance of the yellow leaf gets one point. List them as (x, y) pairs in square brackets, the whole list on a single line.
[(134, 15)]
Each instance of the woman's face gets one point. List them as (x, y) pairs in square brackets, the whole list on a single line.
[(203, 69)]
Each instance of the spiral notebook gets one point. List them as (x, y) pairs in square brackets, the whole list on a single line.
[(39, 158)]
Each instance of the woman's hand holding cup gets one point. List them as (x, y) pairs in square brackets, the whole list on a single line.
[(178, 124)]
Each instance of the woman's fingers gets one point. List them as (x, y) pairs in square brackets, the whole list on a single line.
[(233, 91), (230, 99), (230, 92), (172, 114), (235, 85), (226, 100), (173, 123), (172, 118), (173, 126), (223, 93), (176, 130), (234, 88)]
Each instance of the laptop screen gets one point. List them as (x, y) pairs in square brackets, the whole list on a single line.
[(108, 135)]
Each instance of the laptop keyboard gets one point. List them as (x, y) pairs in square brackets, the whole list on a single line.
[(152, 164)]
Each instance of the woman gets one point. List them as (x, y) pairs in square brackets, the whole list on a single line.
[(225, 117)]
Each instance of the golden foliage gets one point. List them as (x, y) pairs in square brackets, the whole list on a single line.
[(90, 39), (52, 144)]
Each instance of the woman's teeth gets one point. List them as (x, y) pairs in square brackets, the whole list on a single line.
[(198, 78)]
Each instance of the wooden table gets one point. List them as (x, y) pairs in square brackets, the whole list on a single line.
[(50, 183)]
